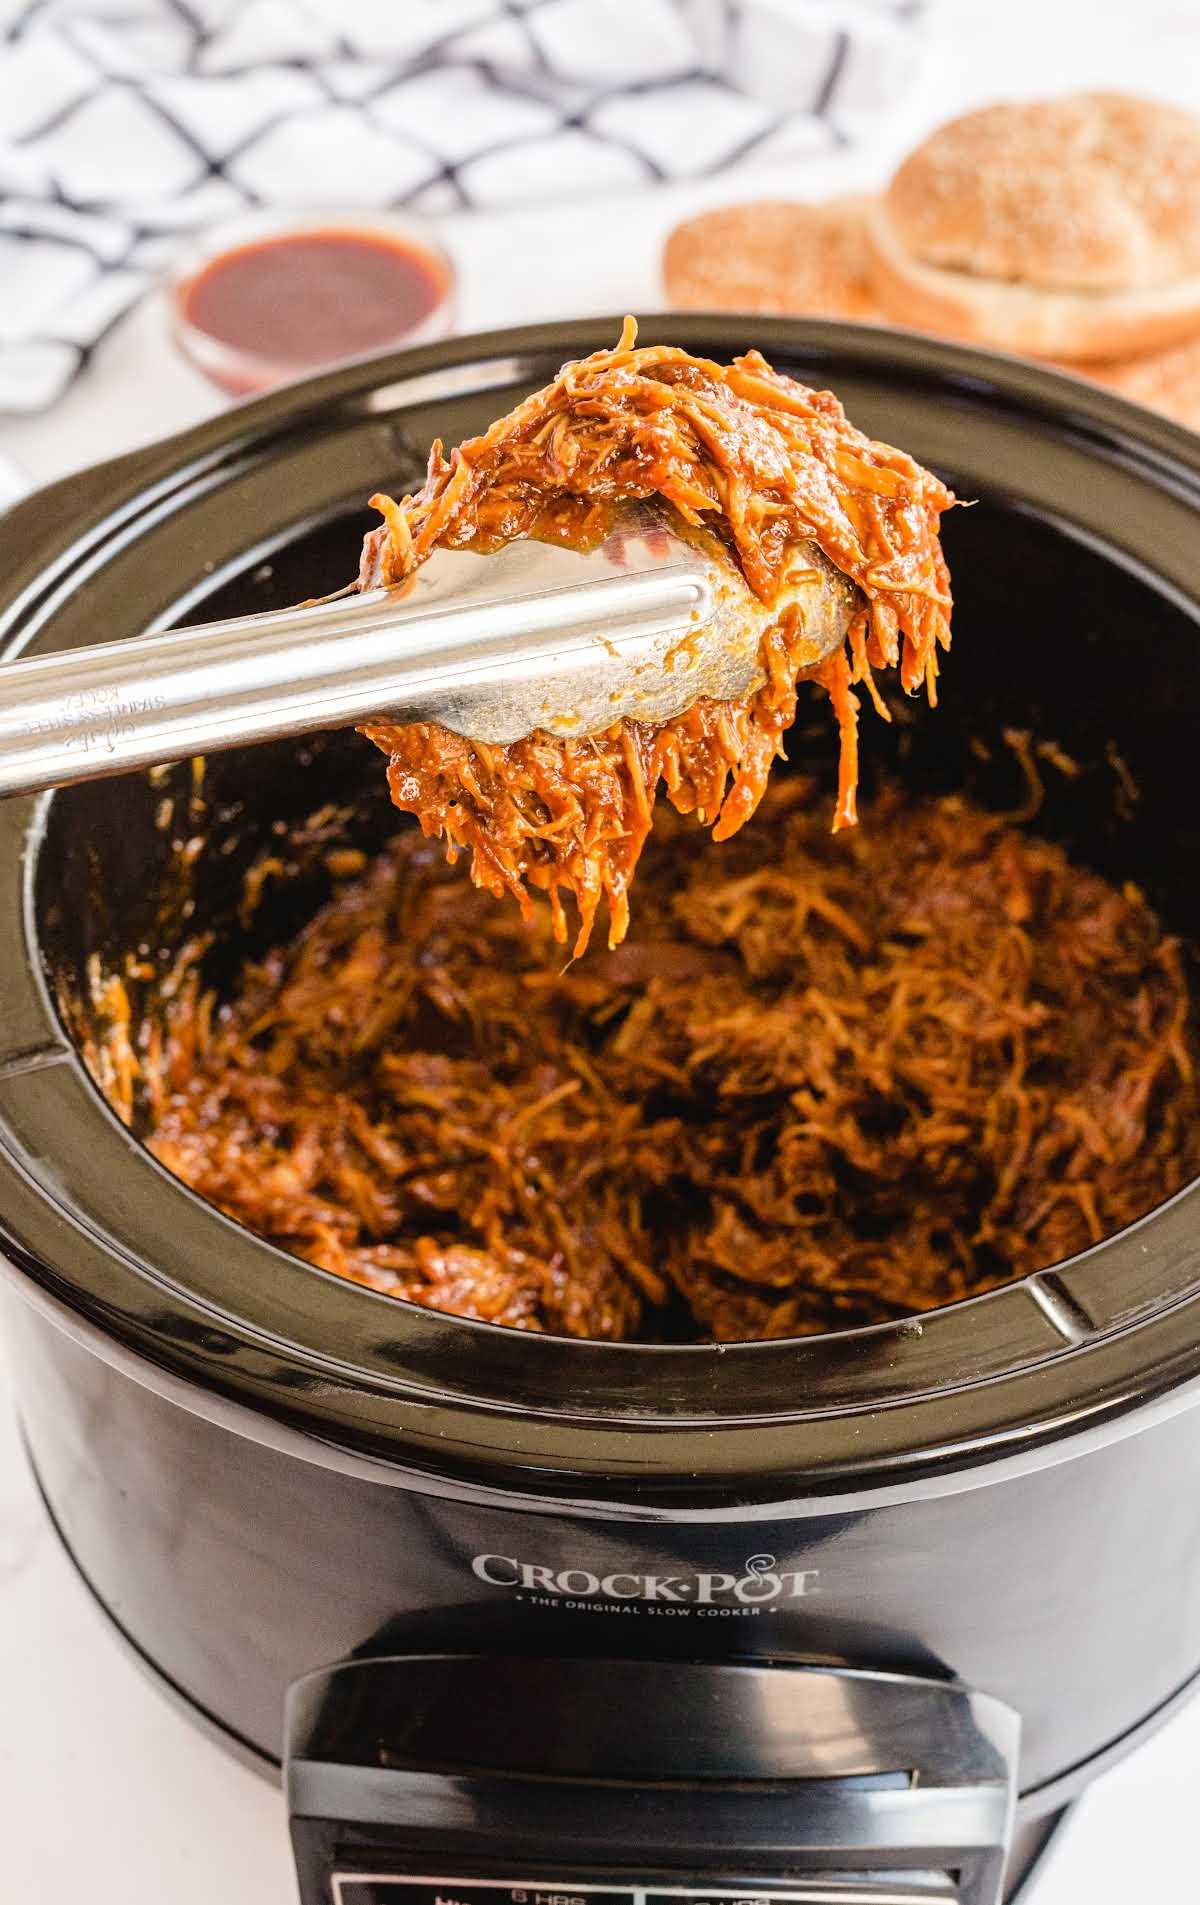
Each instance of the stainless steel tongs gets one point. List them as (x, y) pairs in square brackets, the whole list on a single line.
[(493, 646)]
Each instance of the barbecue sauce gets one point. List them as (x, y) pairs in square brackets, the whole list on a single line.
[(297, 300)]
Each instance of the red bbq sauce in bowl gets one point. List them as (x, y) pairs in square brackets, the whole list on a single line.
[(272, 300)]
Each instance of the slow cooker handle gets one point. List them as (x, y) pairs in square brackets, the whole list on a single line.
[(457, 1779)]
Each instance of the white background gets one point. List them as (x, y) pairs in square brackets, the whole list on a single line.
[(106, 1794)]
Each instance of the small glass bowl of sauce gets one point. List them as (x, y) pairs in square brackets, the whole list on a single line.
[(273, 298)]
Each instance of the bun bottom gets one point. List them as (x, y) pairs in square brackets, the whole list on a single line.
[(1077, 327)]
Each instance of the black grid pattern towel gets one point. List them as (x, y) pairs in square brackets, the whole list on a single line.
[(124, 125)]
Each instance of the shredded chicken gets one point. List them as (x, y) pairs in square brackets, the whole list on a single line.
[(827, 1080), (741, 450)]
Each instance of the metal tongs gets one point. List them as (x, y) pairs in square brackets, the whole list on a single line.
[(492, 646)]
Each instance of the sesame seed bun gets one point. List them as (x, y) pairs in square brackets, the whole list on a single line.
[(772, 257), (1066, 228)]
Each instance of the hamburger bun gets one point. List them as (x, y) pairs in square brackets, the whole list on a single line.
[(1065, 228), (772, 257)]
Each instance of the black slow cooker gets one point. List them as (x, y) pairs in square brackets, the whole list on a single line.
[(538, 1622)]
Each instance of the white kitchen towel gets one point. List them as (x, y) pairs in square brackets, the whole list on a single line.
[(125, 125)]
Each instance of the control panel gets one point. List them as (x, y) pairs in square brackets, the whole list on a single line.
[(461, 1779)]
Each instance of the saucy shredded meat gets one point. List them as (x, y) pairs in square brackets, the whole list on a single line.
[(828, 1080), (739, 450)]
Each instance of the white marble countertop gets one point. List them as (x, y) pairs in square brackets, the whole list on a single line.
[(106, 1794)]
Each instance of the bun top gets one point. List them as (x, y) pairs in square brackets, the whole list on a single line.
[(1097, 192)]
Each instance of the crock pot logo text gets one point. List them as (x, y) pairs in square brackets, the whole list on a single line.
[(760, 1583)]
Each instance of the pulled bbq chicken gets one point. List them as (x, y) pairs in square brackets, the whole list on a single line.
[(738, 450), (826, 1081)]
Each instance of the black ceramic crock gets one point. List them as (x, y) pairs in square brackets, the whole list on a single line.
[(263, 1472)]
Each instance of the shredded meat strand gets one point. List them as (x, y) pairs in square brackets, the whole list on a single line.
[(740, 450), (827, 1081)]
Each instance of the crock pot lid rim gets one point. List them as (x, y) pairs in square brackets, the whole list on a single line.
[(689, 1481)]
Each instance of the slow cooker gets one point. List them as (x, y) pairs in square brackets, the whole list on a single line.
[(529, 1621)]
